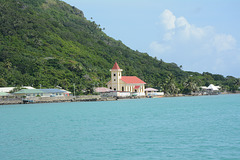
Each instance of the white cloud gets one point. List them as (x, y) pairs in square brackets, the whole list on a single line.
[(181, 29), (168, 36), (168, 19), (224, 42), (193, 46), (182, 22)]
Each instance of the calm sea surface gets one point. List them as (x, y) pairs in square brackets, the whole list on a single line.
[(183, 128)]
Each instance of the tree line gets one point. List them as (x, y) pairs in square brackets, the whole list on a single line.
[(51, 43)]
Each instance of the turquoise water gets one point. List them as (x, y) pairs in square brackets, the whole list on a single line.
[(183, 128)]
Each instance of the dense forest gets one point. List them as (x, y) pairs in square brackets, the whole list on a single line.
[(50, 43)]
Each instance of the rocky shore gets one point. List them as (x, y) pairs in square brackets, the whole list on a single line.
[(10, 101)]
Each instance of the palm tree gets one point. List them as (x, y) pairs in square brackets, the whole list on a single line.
[(3, 83), (190, 86), (8, 64), (170, 85)]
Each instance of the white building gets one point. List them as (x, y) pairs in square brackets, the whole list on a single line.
[(41, 93), (211, 89), (9, 89), (153, 92), (6, 89)]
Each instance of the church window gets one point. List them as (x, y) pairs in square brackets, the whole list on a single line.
[(110, 87), (114, 79), (114, 89), (114, 74)]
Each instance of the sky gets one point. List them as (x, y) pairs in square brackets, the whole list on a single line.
[(200, 35)]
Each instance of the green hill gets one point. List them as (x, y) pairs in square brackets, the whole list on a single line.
[(51, 43)]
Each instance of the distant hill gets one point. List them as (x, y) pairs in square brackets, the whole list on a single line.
[(51, 43)]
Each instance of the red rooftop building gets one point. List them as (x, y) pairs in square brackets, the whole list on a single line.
[(125, 83)]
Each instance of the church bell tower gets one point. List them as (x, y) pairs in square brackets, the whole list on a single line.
[(116, 74)]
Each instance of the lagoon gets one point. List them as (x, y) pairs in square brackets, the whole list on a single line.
[(189, 128)]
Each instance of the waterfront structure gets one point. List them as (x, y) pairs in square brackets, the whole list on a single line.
[(150, 90), (41, 93), (102, 90), (153, 92), (211, 89), (10, 89), (66, 93), (6, 89), (106, 92), (125, 83), (4, 94)]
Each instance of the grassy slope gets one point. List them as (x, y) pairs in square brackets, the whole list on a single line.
[(51, 43)]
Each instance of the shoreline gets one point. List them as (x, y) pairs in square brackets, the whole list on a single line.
[(36, 100), (86, 98)]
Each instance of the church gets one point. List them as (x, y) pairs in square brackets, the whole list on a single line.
[(124, 83)]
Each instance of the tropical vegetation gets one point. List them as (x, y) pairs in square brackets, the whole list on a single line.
[(49, 43)]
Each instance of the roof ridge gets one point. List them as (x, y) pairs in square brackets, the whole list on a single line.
[(132, 79)]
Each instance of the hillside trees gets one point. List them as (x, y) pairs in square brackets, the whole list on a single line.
[(51, 43)]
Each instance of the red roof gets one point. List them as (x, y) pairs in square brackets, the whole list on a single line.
[(131, 79), (116, 66), (136, 87)]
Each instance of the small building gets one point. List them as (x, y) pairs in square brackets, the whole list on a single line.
[(66, 93), (211, 89), (6, 89), (121, 83), (102, 90), (106, 92), (153, 92), (41, 93), (149, 91), (115, 94), (10, 89), (4, 94), (53, 93), (29, 93)]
